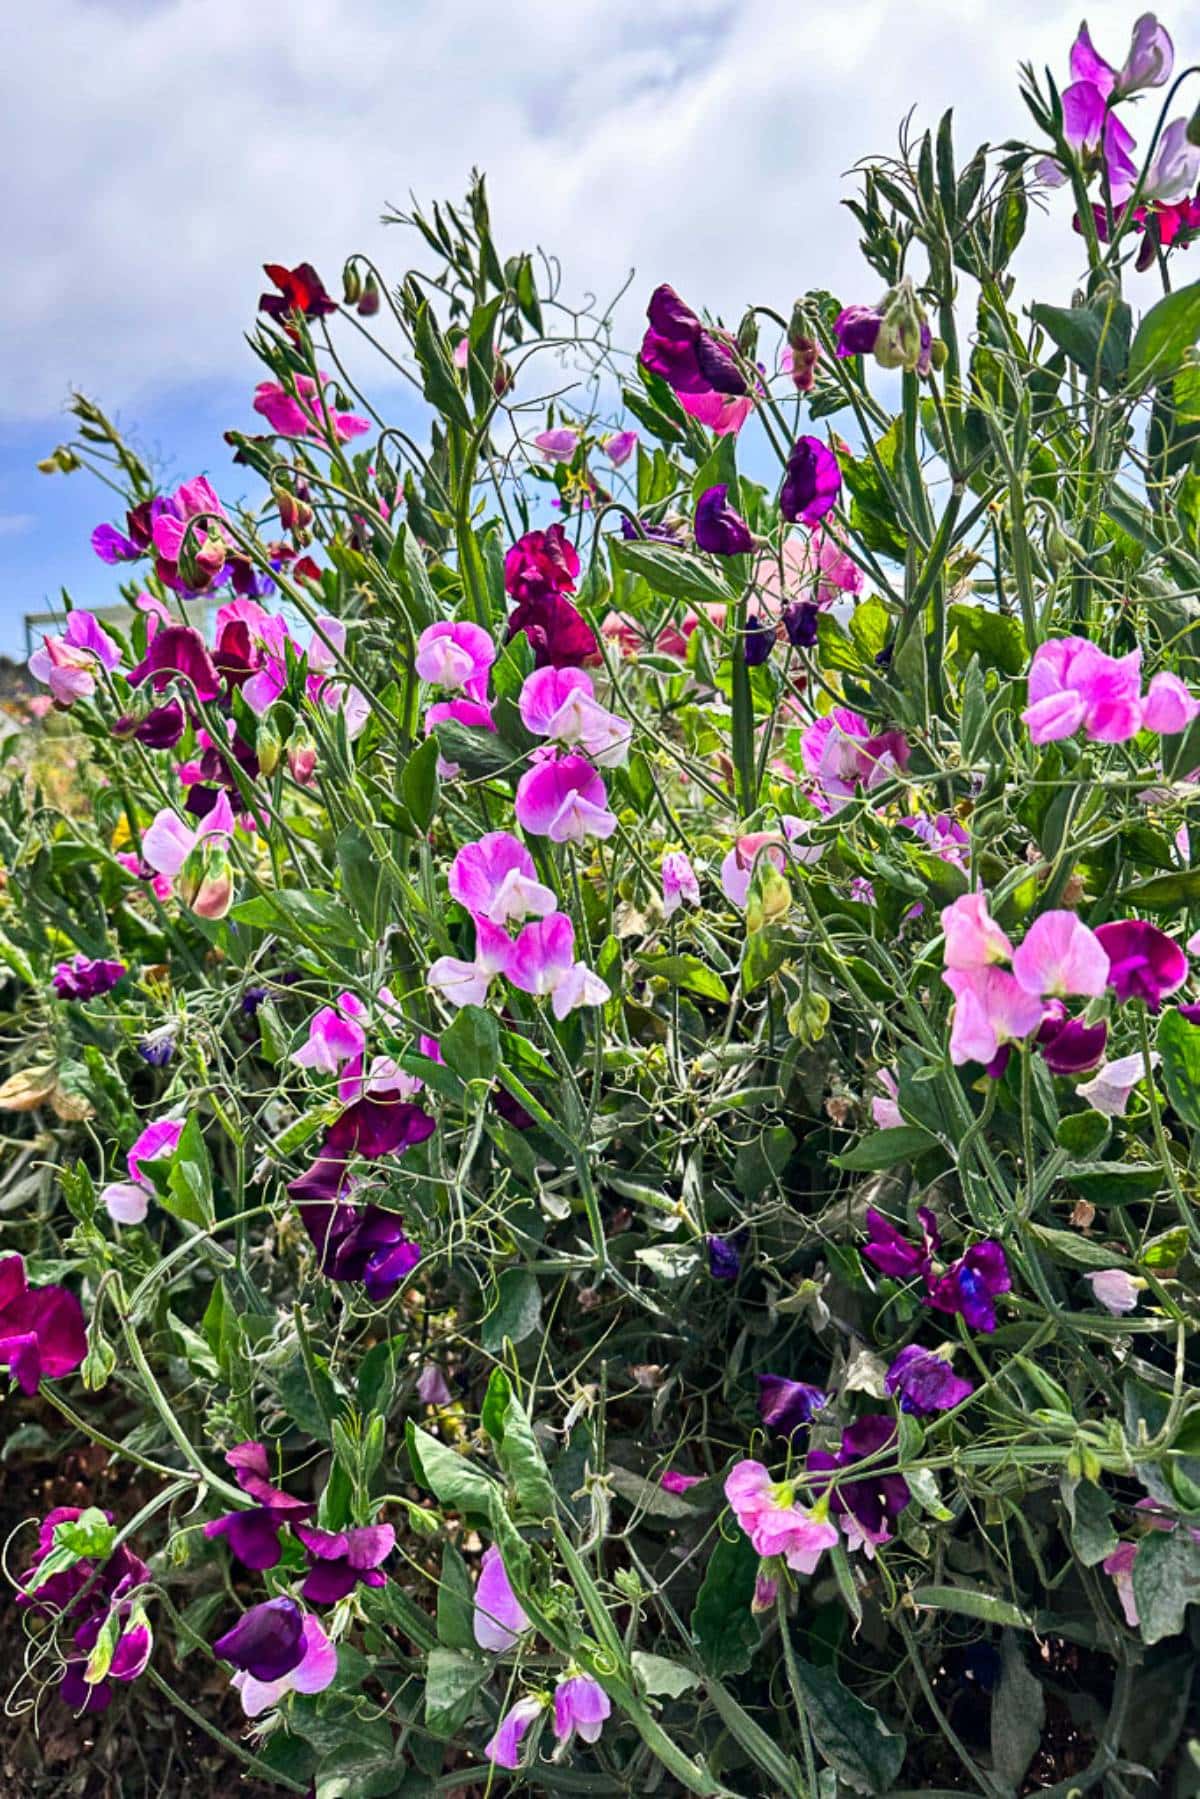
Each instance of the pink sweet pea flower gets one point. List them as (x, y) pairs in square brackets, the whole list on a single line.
[(495, 878), (462, 983), (580, 1706), (772, 1520), (842, 754), (558, 445), (1108, 1090), (168, 840), (336, 1034), (724, 414), (499, 1618), (1115, 1290), (679, 883), (973, 938), (560, 703), (302, 414), (67, 664), (620, 447), (737, 867), (1172, 175), (456, 655), (1120, 1566), (672, 1481), (1168, 706), (563, 798), (1144, 963), (814, 568), (1060, 956), (503, 1749), (991, 1009), (542, 961), (1073, 684), (886, 1111), (315, 1671), (127, 1202)]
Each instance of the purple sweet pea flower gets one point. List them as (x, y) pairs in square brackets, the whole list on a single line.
[(893, 1254), (157, 1050), (1068, 1045), (690, 359), (355, 1243), (503, 1750), (92, 1596), (864, 1507), (161, 728), (253, 1535), (267, 1641), (856, 329), (925, 1382), (42, 1334), (499, 1618), (1144, 963), (757, 642), (83, 978), (800, 622), (580, 1705), (812, 482), (372, 1128), (315, 1671), (970, 1285), (178, 650), (785, 1404), (720, 531), (340, 1559), (724, 1258)]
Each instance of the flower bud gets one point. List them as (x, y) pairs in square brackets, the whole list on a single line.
[(368, 304), (302, 756), (904, 340), (769, 898), (747, 335), (295, 514), (206, 879), (210, 554), (352, 284), (267, 746), (99, 1362), (60, 462)]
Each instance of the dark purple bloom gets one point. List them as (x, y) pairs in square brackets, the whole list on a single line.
[(161, 728), (363, 1244), (42, 1331), (178, 650), (787, 1404), (253, 1535), (800, 623), (894, 1254), (856, 329), (812, 482), (865, 1506), (1068, 1045), (970, 1285), (340, 1559), (82, 978), (300, 290), (724, 1258), (637, 530), (690, 359), (370, 1128), (267, 1642), (252, 999), (925, 1382), (719, 529), (558, 633), (157, 1050), (1144, 963), (757, 642)]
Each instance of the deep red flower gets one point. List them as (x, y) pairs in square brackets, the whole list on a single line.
[(300, 290)]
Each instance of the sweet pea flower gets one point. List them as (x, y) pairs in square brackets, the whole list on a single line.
[(42, 1334), (580, 1706), (991, 1010), (973, 938), (558, 445), (720, 530), (679, 883), (856, 330), (364, 1244), (1059, 956), (253, 1534), (970, 1285), (67, 664), (503, 1749), (1108, 1090), (340, 1559), (563, 798), (864, 1507), (336, 1034), (1119, 1566), (841, 753), (724, 1256), (620, 447), (812, 482), (1168, 707), (457, 656), (541, 565), (542, 961), (1089, 121), (560, 703), (495, 879), (315, 1671), (673, 1481), (696, 364), (785, 1405), (925, 1382), (1115, 1290), (191, 516), (99, 1599), (178, 650), (301, 290), (775, 1524), (1068, 1045), (777, 847), (168, 842), (304, 413), (498, 1619), (1072, 684), (462, 983), (893, 1254), (267, 1642), (1172, 174), (127, 1202), (1144, 963), (84, 978)]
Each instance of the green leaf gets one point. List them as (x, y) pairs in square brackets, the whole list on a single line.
[(358, 862), (471, 1046), (688, 972), (676, 573), (1018, 1715), (419, 782), (725, 1630), (1165, 335), (1115, 1183), (853, 1738), (438, 380), (762, 1160), (885, 1149), (377, 1375), (515, 1313), (995, 637), (477, 752), (971, 1602), (450, 1477), (452, 1682), (765, 952), (1179, 1046), (1070, 1247), (1082, 1133), (314, 917), (659, 1676), (189, 1184), (1090, 1510), (1096, 338), (1165, 893), (523, 1462), (495, 1404), (1166, 1579), (455, 1602)]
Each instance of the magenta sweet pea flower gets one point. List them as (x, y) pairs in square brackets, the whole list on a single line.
[(542, 961), (207, 540), (893, 1254), (620, 447), (541, 565), (1074, 685), (503, 1749), (1168, 707), (178, 650), (560, 703), (679, 884), (785, 1405), (811, 483), (773, 1520), (696, 364), (842, 754), (925, 1382), (580, 1707), (42, 1332), (1144, 963), (498, 1618), (457, 656), (462, 983), (674, 1481), (168, 842), (720, 530), (302, 414), (559, 444), (856, 330), (67, 664), (84, 978), (253, 1534), (127, 1202), (336, 1034), (339, 1560), (1060, 956), (563, 798), (1068, 1045), (495, 879)]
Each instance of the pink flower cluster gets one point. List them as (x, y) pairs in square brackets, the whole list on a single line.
[(1073, 685)]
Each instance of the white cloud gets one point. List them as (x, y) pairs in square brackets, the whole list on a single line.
[(16, 524), (162, 149)]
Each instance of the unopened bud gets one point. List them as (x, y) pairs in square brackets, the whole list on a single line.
[(267, 747), (747, 335), (61, 462), (295, 514), (904, 340), (302, 756), (368, 304), (352, 284), (206, 880), (769, 898)]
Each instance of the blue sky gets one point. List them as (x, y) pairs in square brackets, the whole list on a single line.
[(163, 149)]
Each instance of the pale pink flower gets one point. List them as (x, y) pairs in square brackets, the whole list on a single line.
[(620, 447), (679, 883), (1115, 1290), (466, 983), (1072, 684), (563, 798), (558, 445), (67, 664), (168, 840), (456, 655), (842, 754), (973, 938), (560, 703), (991, 1009), (495, 878), (781, 847), (813, 567), (127, 1202), (1109, 1089), (1060, 956), (768, 1513), (886, 1112)]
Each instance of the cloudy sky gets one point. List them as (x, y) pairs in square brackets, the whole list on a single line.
[(158, 151)]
